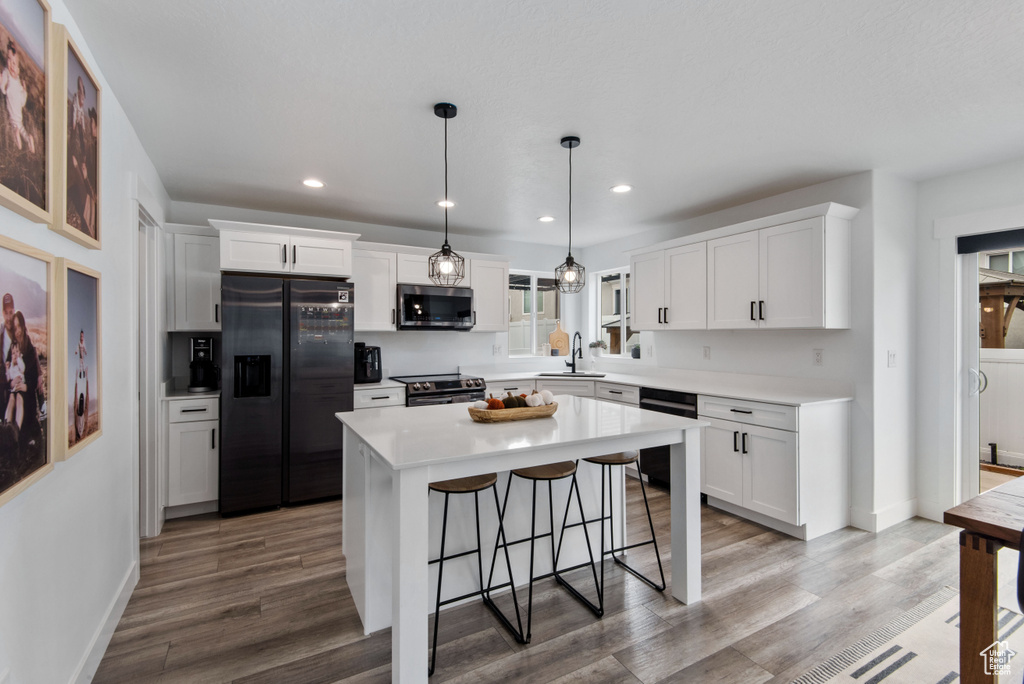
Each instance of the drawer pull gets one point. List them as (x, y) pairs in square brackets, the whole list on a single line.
[(614, 392), (509, 389), (742, 411), (195, 410), (376, 398)]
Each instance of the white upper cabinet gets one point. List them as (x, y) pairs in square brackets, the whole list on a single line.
[(733, 281), (281, 249), (375, 276), (320, 256), (196, 287), (686, 286), (647, 290), (668, 289), (490, 295), (263, 252)]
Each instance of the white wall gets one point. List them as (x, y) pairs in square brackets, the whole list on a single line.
[(409, 351), (69, 543), (849, 355), (988, 188)]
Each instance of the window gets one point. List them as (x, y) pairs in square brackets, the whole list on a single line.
[(612, 301), (1007, 262), (534, 307)]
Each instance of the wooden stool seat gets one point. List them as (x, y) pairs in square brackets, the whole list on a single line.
[(549, 471), (465, 485), (621, 458)]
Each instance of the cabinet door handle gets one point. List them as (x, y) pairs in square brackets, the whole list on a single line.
[(284, 254), (216, 313), (666, 315), (760, 310), (293, 253), (741, 411), (213, 438), (659, 315), (752, 305), (735, 438), (744, 442), (194, 410), (474, 318), (392, 317)]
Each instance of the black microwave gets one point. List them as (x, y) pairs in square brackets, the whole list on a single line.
[(425, 307)]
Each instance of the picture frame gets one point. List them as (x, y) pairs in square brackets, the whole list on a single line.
[(27, 126), (79, 323), (77, 97), (27, 278)]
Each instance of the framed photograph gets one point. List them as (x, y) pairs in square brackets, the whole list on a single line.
[(26, 289), (77, 210), (79, 324), (26, 140)]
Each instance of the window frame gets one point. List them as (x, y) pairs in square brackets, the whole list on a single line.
[(624, 305), (537, 308)]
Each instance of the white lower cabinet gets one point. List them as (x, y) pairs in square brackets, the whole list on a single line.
[(793, 480), (193, 462), (578, 388), (365, 397), (516, 387)]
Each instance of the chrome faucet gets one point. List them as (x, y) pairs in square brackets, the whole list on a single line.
[(572, 362)]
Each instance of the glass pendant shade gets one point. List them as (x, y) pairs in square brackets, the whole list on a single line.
[(570, 277), (446, 268)]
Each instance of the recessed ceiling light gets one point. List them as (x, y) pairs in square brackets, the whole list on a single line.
[(622, 188), (445, 203), (546, 219), (313, 183)]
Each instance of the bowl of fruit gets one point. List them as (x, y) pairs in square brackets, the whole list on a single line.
[(514, 407)]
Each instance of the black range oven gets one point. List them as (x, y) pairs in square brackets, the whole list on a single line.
[(454, 388)]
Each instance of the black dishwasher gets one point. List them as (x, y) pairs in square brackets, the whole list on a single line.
[(654, 462)]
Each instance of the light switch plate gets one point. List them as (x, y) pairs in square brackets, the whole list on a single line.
[(819, 355), (707, 353), (892, 358)]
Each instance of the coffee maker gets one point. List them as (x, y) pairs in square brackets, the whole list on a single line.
[(202, 372)]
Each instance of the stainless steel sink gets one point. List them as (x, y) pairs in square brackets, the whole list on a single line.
[(577, 374)]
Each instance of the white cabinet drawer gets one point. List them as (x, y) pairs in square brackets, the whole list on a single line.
[(579, 388), (189, 410), (516, 387), (378, 397), (624, 394), (749, 412)]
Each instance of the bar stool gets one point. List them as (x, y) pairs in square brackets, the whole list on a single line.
[(470, 485), (607, 462), (548, 473)]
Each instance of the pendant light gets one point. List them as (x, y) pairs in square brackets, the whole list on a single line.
[(569, 275), (446, 268)]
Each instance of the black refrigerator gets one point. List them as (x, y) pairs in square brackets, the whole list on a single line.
[(287, 359)]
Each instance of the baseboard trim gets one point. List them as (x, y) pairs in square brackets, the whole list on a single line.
[(798, 531), (101, 639), (186, 510), (931, 510), (887, 517)]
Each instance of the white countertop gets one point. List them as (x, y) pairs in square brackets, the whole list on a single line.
[(386, 383), (422, 435), (775, 390)]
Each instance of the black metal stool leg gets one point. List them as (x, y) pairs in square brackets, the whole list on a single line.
[(653, 540), (598, 609), (533, 545), (502, 540), (440, 571)]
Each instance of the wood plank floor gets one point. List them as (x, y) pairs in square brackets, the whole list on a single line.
[(262, 598)]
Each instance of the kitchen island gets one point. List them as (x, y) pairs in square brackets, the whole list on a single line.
[(392, 454)]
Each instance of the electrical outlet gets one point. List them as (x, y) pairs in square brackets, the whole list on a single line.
[(892, 358), (650, 350), (818, 357), (707, 353), (496, 350)]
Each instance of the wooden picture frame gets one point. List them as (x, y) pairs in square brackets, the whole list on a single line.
[(27, 127), (80, 368), (77, 98), (26, 451)]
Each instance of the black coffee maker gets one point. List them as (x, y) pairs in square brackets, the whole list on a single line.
[(367, 367), (202, 372)]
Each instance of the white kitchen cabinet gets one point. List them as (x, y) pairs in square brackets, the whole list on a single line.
[(620, 394), (669, 289), (516, 387), (196, 286), (732, 281), (262, 252), (192, 453), (793, 480), (490, 295), (578, 388), (367, 396), (320, 256), (375, 275)]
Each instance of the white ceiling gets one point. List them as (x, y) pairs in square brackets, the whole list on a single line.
[(700, 105)]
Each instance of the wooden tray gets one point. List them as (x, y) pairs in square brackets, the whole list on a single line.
[(505, 415)]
